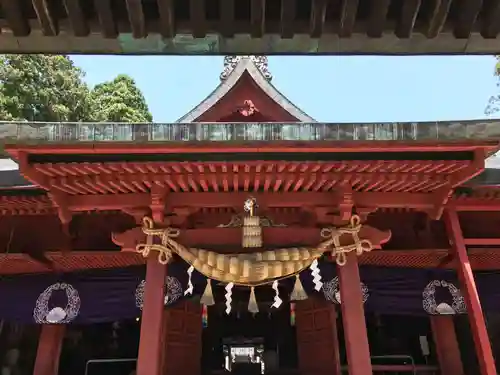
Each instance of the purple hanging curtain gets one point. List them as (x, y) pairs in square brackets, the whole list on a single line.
[(109, 295)]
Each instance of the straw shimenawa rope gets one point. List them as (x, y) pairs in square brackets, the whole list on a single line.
[(251, 269)]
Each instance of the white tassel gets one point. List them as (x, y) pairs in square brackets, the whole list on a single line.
[(253, 307), (277, 300), (229, 293), (207, 298), (315, 272), (190, 287), (298, 292)]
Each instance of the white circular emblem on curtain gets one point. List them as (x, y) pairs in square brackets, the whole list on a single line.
[(331, 291), (57, 315), (173, 291), (432, 307)]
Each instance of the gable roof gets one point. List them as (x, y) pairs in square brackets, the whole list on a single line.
[(248, 65)]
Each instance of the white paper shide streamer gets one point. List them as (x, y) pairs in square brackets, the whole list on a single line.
[(190, 287), (316, 275), (228, 295), (277, 300)]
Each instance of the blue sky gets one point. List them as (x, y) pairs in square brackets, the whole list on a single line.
[(330, 89)]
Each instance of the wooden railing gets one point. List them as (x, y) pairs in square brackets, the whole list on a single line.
[(62, 132)]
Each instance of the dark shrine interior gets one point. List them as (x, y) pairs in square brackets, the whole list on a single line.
[(269, 329)]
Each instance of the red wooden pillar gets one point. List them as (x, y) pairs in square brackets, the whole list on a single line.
[(49, 349), (353, 318), (149, 359), (447, 349), (466, 277), (337, 369)]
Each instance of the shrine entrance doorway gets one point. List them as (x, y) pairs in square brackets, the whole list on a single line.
[(297, 338), (245, 343)]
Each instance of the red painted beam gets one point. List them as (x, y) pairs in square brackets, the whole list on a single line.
[(482, 241), (228, 240)]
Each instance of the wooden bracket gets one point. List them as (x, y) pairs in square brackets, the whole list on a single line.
[(346, 204), (28, 172), (137, 213), (60, 202), (441, 197), (181, 215), (363, 212), (158, 203)]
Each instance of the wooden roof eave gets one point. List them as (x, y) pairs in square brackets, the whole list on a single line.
[(245, 65), (210, 147)]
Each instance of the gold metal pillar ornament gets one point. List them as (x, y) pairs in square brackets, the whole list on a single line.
[(252, 231)]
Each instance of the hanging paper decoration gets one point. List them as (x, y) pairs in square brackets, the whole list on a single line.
[(204, 316), (298, 292), (292, 314), (315, 272), (229, 300), (277, 300), (190, 287), (253, 307), (207, 298)]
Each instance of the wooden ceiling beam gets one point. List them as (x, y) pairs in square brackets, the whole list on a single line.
[(197, 17), (136, 18), (439, 14), (257, 18), (406, 22), (474, 204), (288, 8), (227, 18), (46, 19), (235, 200), (77, 18), (109, 29), (348, 13), (491, 21), (15, 19), (108, 202), (378, 14), (467, 16), (318, 17), (20, 263), (228, 240), (424, 202), (166, 12)]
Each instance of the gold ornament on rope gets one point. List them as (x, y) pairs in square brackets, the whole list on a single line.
[(339, 251), (252, 231)]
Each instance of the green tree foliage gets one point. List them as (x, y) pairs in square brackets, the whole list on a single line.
[(42, 88), (51, 89), (119, 100), (494, 102)]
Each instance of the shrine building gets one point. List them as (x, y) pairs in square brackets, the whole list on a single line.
[(249, 238)]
